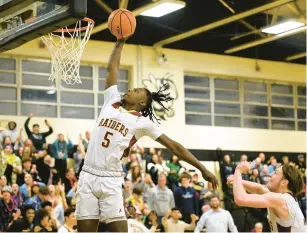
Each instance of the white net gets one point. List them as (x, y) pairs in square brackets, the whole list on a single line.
[(66, 52)]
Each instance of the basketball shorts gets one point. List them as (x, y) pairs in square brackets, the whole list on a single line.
[(100, 198)]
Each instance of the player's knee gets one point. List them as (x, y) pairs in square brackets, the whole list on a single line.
[(87, 225), (118, 226)]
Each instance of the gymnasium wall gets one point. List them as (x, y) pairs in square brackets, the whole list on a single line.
[(141, 61)]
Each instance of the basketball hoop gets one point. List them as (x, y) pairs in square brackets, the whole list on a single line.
[(66, 52)]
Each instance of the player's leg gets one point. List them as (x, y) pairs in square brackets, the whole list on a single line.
[(87, 204), (88, 225), (118, 226), (112, 209)]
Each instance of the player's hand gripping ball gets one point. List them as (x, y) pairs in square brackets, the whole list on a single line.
[(122, 23)]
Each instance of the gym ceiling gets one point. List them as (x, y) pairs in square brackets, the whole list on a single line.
[(229, 27)]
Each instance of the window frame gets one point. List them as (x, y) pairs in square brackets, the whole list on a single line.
[(56, 86), (242, 92)]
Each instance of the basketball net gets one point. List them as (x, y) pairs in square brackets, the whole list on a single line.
[(66, 51)]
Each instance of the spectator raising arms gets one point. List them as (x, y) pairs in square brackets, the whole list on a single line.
[(174, 224), (38, 139)]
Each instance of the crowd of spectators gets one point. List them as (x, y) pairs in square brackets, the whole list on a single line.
[(38, 185)]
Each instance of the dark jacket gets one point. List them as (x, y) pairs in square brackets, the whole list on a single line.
[(6, 214), (38, 139), (20, 226), (186, 200)]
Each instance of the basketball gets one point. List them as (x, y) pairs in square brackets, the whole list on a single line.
[(122, 23)]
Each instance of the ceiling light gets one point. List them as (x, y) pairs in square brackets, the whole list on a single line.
[(164, 8), (283, 27)]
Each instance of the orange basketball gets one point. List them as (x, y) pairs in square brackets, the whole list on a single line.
[(122, 23)]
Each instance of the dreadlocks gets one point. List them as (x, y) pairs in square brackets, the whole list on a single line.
[(158, 97)]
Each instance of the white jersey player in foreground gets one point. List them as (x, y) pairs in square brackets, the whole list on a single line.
[(284, 213), (121, 122)]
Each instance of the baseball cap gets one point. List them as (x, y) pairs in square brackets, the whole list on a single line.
[(300, 156), (7, 189)]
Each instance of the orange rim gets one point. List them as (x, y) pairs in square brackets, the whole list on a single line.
[(90, 21)]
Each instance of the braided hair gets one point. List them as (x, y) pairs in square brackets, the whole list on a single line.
[(158, 97)]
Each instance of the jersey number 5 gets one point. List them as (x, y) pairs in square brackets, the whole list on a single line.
[(106, 141)]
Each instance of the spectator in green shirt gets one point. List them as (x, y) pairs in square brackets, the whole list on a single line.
[(175, 170)]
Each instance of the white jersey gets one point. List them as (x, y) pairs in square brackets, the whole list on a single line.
[(115, 132), (135, 226), (294, 223)]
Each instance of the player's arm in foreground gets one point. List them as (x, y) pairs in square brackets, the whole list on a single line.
[(267, 200), (182, 153), (249, 186), (113, 64)]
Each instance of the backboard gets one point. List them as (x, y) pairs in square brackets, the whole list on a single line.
[(24, 20)]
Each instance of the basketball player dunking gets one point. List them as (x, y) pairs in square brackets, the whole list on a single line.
[(121, 122), (284, 213)]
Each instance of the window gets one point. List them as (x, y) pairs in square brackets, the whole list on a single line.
[(8, 100), (197, 100), (301, 108), (86, 74), (7, 78), (39, 110), (218, 101), (122, 79), (35, 93), (122, 83), (38, 93), (255, 105), (282, 107), (77, 112), (8, 87), (227, 103), (7, 64)]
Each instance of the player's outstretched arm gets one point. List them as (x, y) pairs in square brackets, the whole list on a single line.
[(249, 186), (267, 200), (182, 153), (113, 64)]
